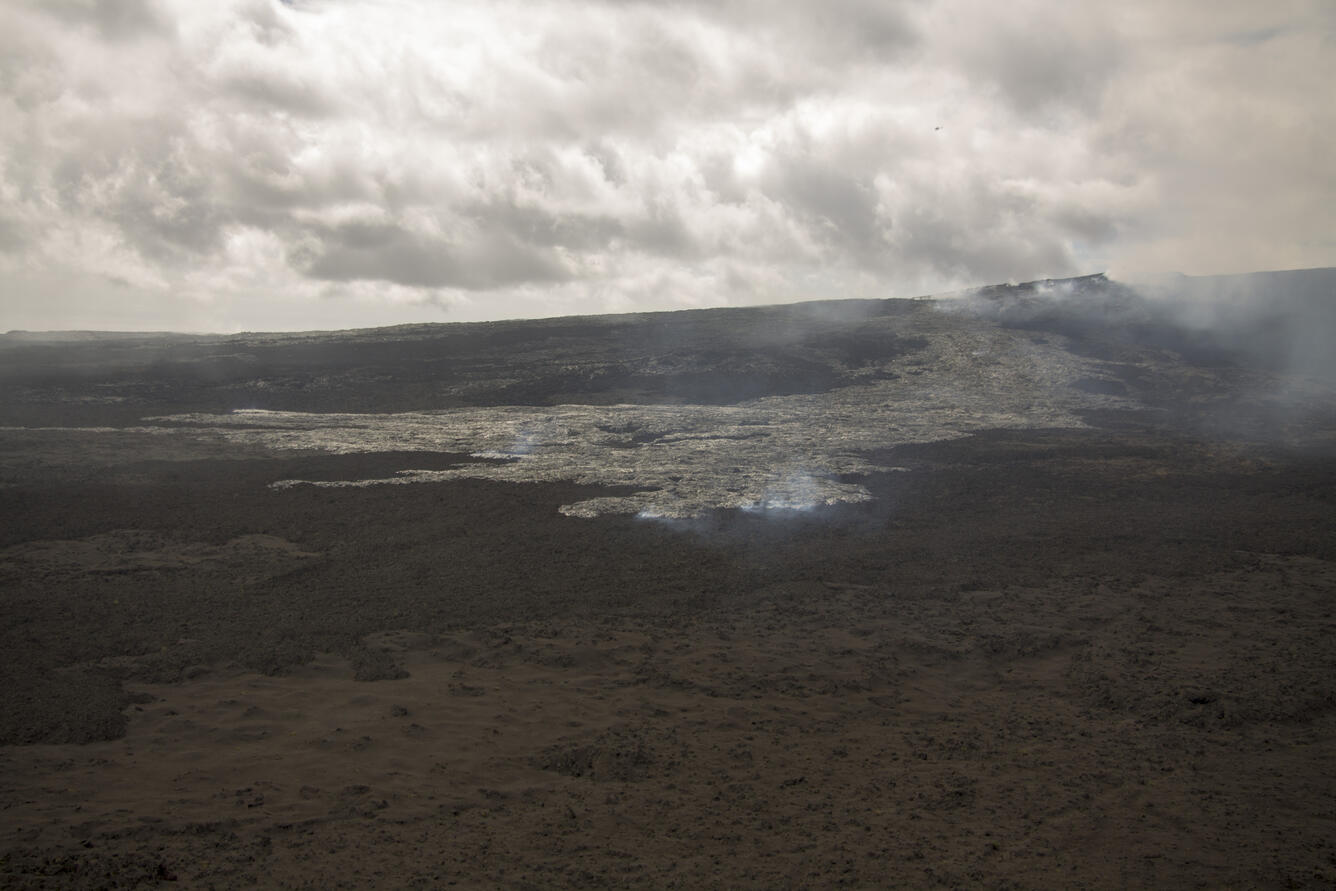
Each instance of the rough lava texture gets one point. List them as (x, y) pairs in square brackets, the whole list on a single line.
[(1028, 587)]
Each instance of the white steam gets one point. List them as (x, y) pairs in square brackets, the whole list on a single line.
[(774, 456)]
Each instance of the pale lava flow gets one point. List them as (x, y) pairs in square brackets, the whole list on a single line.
[(779, 453)]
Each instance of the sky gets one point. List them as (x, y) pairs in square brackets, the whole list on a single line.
[(317, 164)]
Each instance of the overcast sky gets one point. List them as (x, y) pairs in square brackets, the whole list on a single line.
[(333, 163)]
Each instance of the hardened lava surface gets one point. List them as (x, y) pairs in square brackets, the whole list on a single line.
[(917, 598), (791, 452)]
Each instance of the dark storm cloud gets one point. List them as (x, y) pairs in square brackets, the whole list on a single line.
[(510, 158)]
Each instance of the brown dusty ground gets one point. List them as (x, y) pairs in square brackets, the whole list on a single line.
[(1038, 659), (1099, 658)]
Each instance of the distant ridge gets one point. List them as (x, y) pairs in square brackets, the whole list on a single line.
[(1280, 290)]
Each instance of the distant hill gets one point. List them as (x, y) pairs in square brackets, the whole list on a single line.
[(1271, 322), (1278, 321)]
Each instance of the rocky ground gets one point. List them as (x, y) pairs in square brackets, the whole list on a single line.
[(1096, 656)]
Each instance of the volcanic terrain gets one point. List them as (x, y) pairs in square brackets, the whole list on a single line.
[(1030, 586)]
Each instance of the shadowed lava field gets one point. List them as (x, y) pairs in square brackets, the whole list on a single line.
[(1031, 587)]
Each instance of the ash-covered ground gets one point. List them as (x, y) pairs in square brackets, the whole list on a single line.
[(1027, 586)]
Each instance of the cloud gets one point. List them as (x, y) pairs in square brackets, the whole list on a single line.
[(477, 261), (1040, 58), (509, 158), (114, 20)]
